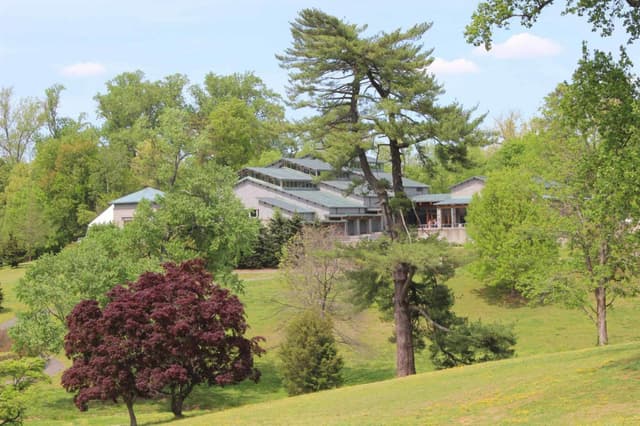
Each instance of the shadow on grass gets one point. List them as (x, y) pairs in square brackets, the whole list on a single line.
[(247, 392), (626, 364), (363, 374), (500, 297)]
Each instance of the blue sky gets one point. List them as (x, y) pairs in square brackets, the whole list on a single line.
[(83, 43)]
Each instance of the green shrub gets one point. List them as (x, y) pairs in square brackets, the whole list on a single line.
[(267, 249), (310, 356)]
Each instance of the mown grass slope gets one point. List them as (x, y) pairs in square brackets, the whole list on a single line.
[(369, 357), (588, 386)]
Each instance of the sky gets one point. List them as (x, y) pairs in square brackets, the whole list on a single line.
[(82, 44)]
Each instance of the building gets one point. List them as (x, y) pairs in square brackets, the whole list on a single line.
[(121, 211), (311, 189), (445, 213)]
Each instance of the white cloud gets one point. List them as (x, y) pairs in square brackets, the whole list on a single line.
[(457, 66), (83, 69), (521, 46)]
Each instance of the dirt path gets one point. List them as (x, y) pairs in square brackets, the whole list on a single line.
[(8, 324)]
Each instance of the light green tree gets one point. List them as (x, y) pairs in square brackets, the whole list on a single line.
[(202, 217), (239, 118), (20, 122), (604, 16), (65, 170), (514, 232), (17, 375), (160, 157), (589, 134), (24, 217), (87, 269)]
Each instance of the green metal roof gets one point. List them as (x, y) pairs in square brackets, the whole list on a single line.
[(282, 173), (325, 199), (310, 163), (275, 202), (347, 185), (407, 183), (454, 201), (322, 198), (144, 194), (430, 198)]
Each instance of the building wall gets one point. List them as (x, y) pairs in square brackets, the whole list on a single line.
[(249, 192), (123, 213), (452, 235), (467, 189)]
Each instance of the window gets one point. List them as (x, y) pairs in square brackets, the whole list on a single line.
[(254, 213)]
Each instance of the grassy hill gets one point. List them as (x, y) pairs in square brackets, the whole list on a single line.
[(588, 386), (436, 397)]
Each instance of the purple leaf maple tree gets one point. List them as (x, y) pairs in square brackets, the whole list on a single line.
[(163, 334)]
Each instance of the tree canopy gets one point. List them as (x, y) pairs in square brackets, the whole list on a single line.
[(371, 92), (604, 16), (586, 249), (164, 333)]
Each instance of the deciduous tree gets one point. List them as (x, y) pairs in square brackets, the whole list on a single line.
[(16, 376), (19, 125), (203, 218), (514, 231), (239, 118), (165, 333), (24, 217), (314, 271), (54, 284), (604, 16), (590, 136)]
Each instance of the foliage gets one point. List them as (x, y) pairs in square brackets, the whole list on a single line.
[(132, 106), (16, 376), (309, 355), (594, 123), (314, 271), (25, 229), (165, 333), (161, 156), (604, 16), (239, 118), (19, 125), (203, 218), (267, 249), (371, 92), (587, 147), (513, 230), (12, 252), (65, 169), (54, 284), (454, 340)]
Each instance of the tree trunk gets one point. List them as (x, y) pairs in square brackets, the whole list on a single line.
[(176, 404), (132, 415), (601, 319), (405, 361)]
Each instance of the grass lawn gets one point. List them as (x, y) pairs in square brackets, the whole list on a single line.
[(588, 386), (9, 278), (540, 330)]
